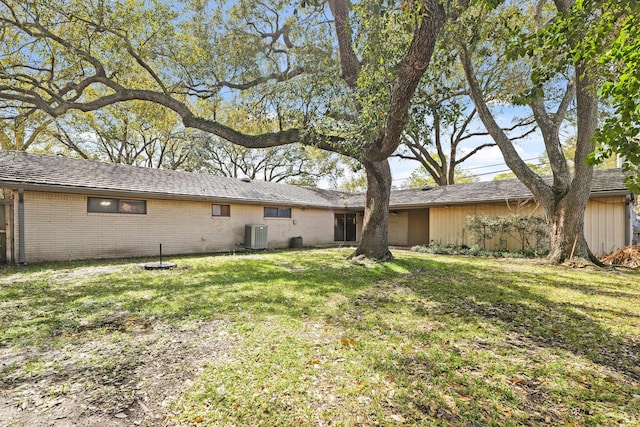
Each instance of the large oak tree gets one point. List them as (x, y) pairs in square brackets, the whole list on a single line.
[(558, 81), (64, 55), (443, 130)]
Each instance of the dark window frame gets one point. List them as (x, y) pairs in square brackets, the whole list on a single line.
[(276, 212), (116, 206), (225, 210)]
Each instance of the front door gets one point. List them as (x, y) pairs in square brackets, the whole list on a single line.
[(344, 227)]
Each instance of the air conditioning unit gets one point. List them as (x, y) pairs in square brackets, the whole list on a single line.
[(255, 236)]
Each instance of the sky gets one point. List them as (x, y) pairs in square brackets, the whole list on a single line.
[(488, 162), (485, 164)]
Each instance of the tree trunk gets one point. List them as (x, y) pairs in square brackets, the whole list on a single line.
[(565, 200), (374, 240), (567, 241)]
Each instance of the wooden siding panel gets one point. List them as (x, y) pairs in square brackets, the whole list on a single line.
[(399, 228), (447, 224), (418, 227), (605, 224)]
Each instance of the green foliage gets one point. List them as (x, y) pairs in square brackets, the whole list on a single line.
[(605, 37), (614, 42), (477, 251), (293, 164), (420, 177), (489, 34), (485, 227), (545, 43), (384, 32), (354, 177), (531, 231), (136, 133)]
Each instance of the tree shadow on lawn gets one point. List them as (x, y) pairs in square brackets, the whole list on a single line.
[(506, 298), (247, 287), (50, 307)]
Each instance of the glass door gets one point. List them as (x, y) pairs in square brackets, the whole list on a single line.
[(344, 227)]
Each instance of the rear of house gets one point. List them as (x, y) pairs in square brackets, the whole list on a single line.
[(439, 215), (58, 208), (67, 226)]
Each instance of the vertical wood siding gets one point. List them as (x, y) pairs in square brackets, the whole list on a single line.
[(399, 228), (604, 223)]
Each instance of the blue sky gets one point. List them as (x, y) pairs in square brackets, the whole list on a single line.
[(488, 162)]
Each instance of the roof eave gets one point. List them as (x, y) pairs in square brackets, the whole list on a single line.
[(458, 202), (151, 195), (604, 193), (611, 193)]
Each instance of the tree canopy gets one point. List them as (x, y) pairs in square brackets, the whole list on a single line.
[(613, 42), (336, 76), (339, 78)]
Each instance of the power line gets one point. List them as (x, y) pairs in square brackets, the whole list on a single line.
[(478, 174), (484, 167), (497, 164)]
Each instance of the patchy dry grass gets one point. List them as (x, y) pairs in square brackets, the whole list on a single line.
[(308, 338)]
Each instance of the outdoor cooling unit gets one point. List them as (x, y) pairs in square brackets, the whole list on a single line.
[(255, 236)]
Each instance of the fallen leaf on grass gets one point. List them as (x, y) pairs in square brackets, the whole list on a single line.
[(505, 410), (198, 420), (348, 342), (397, 418)]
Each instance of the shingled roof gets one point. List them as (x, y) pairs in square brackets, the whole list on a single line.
[(605, 182), (59, 173)]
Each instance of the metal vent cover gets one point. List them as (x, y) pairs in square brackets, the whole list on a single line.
[(255, 236)]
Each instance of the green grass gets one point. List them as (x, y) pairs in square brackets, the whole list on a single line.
[(318, 340)]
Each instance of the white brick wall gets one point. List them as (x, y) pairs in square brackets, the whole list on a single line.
[(58, 227)]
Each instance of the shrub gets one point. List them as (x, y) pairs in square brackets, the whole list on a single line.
[(531, 231), (477, 251)]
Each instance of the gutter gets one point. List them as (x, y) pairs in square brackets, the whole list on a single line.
[(92, 191), (347, 206)]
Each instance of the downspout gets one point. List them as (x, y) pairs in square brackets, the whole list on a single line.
[(11, 229), (628, 229), (21, 252)]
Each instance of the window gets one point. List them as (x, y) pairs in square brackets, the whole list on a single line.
[(97, 204), (277, 212), (220, 210)]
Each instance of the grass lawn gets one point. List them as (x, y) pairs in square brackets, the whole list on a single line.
[(309, 338)]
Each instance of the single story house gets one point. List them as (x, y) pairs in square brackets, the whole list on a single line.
[(60, 208)]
